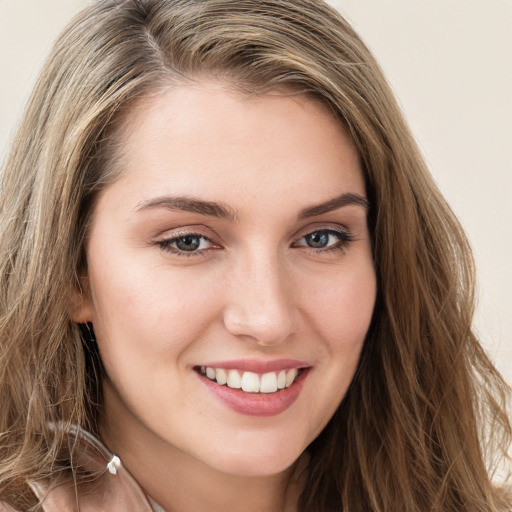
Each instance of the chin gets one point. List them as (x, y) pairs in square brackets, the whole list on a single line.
[(261, 458)]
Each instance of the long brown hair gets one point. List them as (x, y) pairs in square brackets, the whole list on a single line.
[(424, 420)]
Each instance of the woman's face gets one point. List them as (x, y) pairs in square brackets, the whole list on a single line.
[(233, 247)]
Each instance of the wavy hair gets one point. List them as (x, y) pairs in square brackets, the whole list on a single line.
[(423, 423)]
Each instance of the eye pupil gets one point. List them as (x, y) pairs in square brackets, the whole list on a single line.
[(188, 242), (318, 239)]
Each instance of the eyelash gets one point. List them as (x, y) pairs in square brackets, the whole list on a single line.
[(166, 245), (344, 239)]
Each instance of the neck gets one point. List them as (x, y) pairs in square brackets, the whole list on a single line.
[(180, 483)]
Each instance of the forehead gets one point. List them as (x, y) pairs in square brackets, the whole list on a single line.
[(212, 138), (214, 101)]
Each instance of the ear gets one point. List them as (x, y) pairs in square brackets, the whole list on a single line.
[(81, 308)]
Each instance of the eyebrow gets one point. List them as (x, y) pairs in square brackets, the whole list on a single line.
[(189, 204), (333, 204), (213, 209)]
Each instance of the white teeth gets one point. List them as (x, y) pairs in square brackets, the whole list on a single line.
[(221, 376), (290, 376), (281, 379), (250, 382), (234, 380), (268, 383)]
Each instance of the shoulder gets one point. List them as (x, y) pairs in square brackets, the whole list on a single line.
[(105, 486)]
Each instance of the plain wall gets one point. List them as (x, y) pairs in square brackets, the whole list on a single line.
[(450, 64)]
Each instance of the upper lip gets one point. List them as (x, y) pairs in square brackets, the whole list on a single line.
[(258, 366)]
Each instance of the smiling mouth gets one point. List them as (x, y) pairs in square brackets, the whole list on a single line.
[(251, 382)]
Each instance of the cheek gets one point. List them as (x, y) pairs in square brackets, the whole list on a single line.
[(144, 311), (340, 316), (342, 308)]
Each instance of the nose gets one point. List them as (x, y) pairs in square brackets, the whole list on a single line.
[(260, 307)]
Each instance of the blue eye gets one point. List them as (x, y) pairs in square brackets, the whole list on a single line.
[(189, 243), (319, 239), (325, 239)]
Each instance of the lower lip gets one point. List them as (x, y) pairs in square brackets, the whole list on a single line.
[(257, 404)]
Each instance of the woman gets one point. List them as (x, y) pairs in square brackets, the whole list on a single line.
[(223, 256)]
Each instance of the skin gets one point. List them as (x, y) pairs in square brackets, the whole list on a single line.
[(254, 288)]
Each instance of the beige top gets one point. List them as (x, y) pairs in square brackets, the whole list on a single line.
[(112, 490)]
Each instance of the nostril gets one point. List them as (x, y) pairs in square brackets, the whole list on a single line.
[(269, 328)]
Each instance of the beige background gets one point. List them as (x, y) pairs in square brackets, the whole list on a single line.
[(450, 64)]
